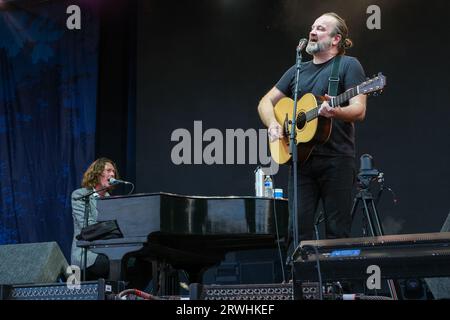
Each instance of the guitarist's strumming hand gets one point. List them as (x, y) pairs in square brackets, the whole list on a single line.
[(275, 131), (326, 110)]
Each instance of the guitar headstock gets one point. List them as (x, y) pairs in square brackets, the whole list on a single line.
[(373, 86)]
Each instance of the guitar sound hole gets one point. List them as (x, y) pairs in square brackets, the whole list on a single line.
[(301, 120)]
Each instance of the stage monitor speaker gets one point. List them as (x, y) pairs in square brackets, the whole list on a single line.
[(30, 263), (440, 287)]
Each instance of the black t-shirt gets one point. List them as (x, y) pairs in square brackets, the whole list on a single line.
[(314, 79)]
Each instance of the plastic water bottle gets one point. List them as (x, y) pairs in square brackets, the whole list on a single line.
[(268, 187), (259, 182)]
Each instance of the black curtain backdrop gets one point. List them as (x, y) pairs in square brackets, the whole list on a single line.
[(115, 138), (212, 61)]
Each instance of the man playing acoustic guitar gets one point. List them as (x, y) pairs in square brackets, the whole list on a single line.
[(328, 172)]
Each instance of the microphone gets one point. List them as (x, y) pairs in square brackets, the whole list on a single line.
[(113, 181), (302, 44)]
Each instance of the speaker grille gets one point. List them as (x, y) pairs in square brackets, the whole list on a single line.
[(86, 292), (247, 292), (95, 290)]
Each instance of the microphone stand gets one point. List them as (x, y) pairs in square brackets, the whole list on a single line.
[(87, 209), (293, 149)]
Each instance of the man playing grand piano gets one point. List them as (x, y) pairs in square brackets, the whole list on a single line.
[(96, 177)]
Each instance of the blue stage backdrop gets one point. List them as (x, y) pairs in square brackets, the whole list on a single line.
[(48, 93)]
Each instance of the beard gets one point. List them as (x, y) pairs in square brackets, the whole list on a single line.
[(316, 47)]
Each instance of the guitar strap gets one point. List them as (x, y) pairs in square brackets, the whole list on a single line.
[(333, 80)]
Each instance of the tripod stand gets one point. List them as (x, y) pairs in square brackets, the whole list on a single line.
[(369, 210), (370, 214)]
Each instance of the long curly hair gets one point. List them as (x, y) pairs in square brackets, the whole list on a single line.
[(92, 175)]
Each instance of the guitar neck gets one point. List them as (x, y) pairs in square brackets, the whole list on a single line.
[(344, 97), (375, 84), (335, 101)]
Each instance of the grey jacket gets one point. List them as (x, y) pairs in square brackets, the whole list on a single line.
[(78, 223)]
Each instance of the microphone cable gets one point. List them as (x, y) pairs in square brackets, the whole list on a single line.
[(277, 231), (132, 189), (319, 273)]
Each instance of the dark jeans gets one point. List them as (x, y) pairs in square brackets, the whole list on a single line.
[(330, 179)]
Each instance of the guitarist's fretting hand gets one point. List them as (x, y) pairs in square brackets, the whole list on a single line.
[(275, 131), (326, 110)]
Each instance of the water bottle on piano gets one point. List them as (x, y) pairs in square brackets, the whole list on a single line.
[(259, 182), (268, 187)]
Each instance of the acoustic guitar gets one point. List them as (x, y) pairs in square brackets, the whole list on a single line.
[(312, 129)]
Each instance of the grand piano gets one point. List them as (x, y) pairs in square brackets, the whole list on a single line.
[(190, 233)]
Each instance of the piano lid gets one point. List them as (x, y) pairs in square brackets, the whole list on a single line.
[(139, 215), (189, 196)]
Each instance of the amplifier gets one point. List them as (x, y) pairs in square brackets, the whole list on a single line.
[(281, 291), (90, 290), (309, 290), (242, 292)]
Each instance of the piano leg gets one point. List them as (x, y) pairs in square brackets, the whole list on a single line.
[(155, 267), (115, 255), (168, 280), (115, 270)]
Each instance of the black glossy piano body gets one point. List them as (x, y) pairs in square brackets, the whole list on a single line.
[(188, 232)]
